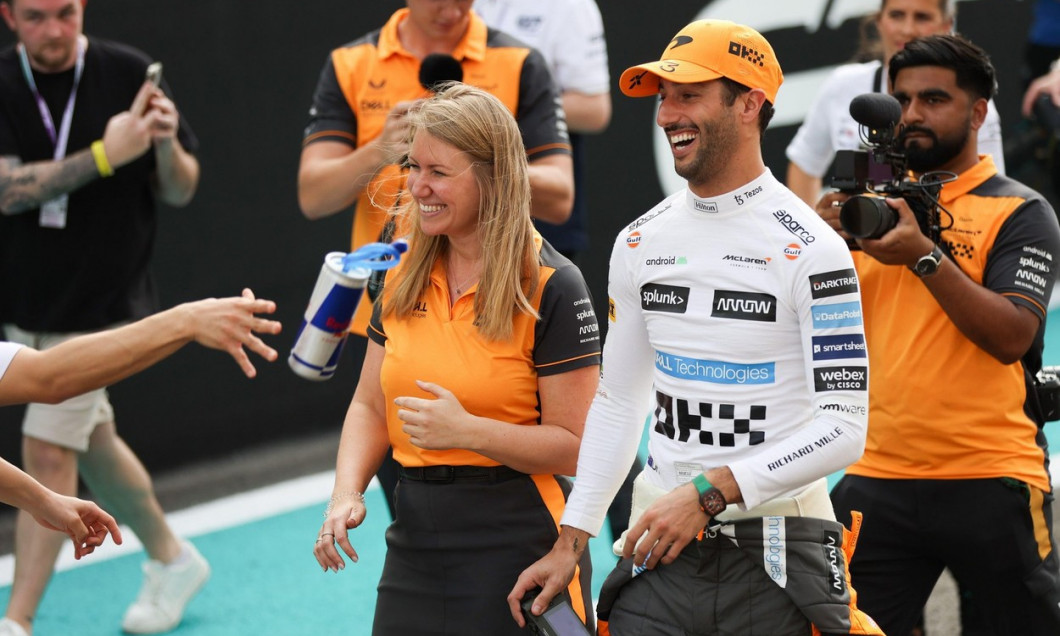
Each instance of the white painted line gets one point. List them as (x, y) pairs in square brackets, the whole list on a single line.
[(204, 518)]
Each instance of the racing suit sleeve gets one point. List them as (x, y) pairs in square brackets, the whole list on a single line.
[(616, 418)]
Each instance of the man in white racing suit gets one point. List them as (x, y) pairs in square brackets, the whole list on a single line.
[(736, 312)]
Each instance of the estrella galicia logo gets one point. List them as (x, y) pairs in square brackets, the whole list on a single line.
[(841, 281), (851, 345), (836, 315), (841, 379), (744, 306), (666, 298), (680, 40)]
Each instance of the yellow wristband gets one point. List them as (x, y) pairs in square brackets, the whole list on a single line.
[(100, 155)]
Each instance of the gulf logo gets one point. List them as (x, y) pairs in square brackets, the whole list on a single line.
[(792, 251), (633, 240)]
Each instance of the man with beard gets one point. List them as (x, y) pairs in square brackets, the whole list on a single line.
[(88, 148), (954, 471), (735, 309)]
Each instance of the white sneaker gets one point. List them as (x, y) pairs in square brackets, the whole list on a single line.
[(9, 627), (165, 593)]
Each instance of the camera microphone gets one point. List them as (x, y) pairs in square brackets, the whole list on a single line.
[(438, 68), (876, 110)]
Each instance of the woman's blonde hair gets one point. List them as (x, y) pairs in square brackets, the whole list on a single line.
[(478, 124)]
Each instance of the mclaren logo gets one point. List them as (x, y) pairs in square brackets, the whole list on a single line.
[(680, 40), (377, 85)]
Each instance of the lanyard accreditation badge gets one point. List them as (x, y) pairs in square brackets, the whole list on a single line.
[(53, 212)]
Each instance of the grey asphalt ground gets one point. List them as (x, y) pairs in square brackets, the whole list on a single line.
[(278, 462)]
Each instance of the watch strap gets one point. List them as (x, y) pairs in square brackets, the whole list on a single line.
[(711, 501)]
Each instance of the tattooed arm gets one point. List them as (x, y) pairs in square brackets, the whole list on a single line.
[(26, 186), (126, 137)]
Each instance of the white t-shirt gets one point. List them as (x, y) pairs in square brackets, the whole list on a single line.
[(569, 33), (828, 126), (739, 319), (7, 354)]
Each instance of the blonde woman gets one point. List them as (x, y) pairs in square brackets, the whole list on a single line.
[(482, 362)]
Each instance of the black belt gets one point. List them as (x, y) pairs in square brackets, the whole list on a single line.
[(447, 474)]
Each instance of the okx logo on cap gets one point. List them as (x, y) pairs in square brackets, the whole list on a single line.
[(706, 50)]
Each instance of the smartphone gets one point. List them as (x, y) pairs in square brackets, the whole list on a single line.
[(154, 74), (558, 619)]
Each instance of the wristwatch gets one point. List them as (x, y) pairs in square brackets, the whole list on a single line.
[(711, 501), (928, 265)]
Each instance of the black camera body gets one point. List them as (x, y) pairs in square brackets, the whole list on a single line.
[(881, 171)]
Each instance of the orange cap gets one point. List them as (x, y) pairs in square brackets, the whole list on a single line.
[(706, 50)]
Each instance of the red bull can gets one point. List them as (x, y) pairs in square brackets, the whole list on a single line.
[(326, 322)]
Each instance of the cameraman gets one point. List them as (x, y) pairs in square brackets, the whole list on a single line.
[(953, 474)]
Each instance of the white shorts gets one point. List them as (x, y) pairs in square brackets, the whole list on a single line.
[(68, 424)]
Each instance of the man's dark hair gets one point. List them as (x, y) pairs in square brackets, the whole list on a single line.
[(975, 73), (734, 89)]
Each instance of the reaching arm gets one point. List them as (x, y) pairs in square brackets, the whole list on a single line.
[(83, 521), (95, 360)]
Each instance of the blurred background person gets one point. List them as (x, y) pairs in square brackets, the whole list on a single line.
[(570, 34), (482, 443), (354, 143), (828, 126), (86, 148)]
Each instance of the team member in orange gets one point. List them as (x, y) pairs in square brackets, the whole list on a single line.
[(355, 139), (954, 473), (482, 361)]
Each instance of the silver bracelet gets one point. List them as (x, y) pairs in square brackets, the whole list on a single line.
[(342, 496)]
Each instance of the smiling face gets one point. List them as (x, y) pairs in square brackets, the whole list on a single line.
[(901, 21), (48, 29), (442, 180), (701, 128)]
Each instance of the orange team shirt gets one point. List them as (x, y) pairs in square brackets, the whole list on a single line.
[(363, 80), (491, 379), (939, 406)]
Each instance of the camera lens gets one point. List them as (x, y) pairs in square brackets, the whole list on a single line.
[(867, 217)]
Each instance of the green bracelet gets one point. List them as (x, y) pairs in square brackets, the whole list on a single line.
[(701, 483)]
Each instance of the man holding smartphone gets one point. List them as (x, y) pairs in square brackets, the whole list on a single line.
[(87, 146)]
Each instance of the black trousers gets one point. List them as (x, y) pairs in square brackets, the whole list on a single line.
[(994, 535)]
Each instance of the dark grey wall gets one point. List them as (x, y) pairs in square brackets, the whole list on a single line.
[(243, 73)]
